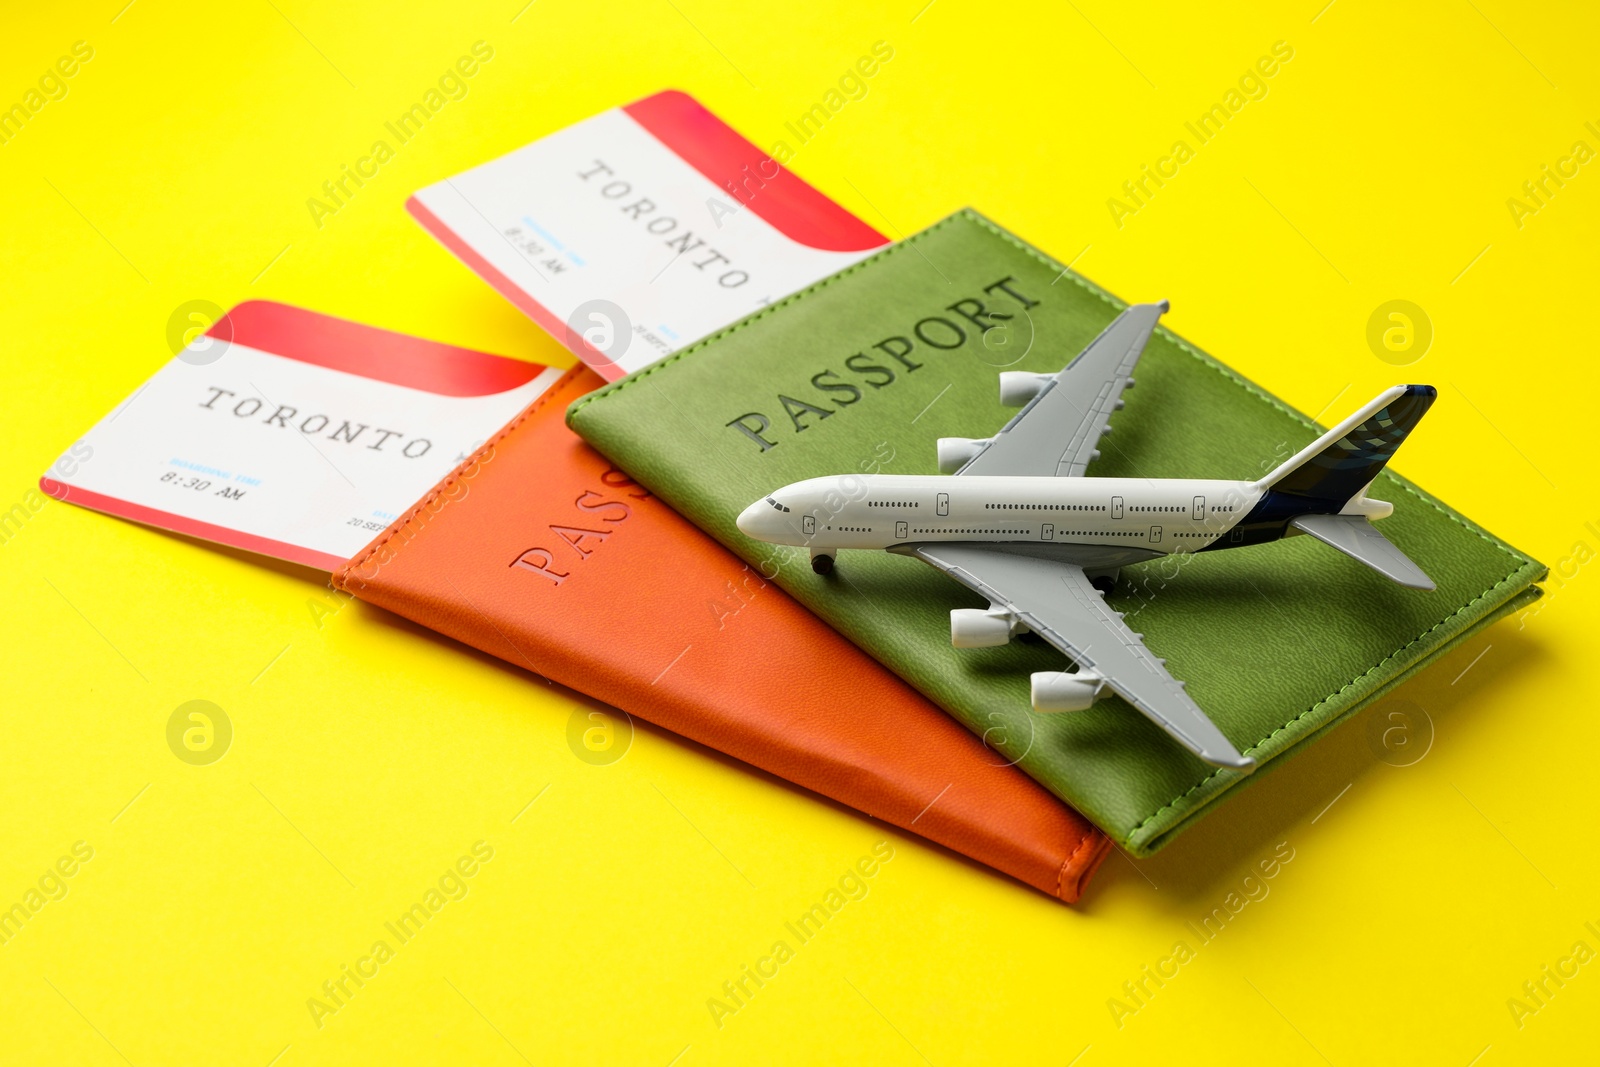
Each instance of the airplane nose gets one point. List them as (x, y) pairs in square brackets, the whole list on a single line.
[(750, 519)]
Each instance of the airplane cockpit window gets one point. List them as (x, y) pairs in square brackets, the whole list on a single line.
[(775, 504)]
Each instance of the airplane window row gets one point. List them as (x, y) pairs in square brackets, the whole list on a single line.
[(1137, 534), (893, 504), (967, 529), (1157, 509), (852, 529), (1045, 507), (1104, 533)]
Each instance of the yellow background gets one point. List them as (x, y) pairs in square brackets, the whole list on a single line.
[(369, 754)]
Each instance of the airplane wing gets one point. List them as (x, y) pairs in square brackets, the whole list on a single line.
[(1055, 433), (1054, 599)]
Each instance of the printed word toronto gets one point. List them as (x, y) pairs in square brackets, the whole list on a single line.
[(647, 213), (346, 433)]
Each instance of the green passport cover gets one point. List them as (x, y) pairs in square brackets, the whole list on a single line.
[(864, 370)]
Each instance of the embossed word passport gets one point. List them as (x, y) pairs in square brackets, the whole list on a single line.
[(637, 231), (864, 371)]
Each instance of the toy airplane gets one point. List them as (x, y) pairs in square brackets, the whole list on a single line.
[(1020, 524)]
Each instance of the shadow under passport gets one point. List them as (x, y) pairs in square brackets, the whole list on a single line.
[(528, 673), (1397, 731)]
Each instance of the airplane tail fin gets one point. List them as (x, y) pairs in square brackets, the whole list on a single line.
[(1337, 466)]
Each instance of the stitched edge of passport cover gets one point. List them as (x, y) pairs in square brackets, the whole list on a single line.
[(1508, 593)]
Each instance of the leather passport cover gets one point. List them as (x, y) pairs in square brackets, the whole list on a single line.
[(538, 551), (864, 370)]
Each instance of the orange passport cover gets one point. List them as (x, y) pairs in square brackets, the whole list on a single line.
[(536, 550)]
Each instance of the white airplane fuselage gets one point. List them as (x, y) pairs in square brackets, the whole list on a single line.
[(1148, 516)]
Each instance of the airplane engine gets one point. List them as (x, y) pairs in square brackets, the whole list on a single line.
[(956, 451), (977, 628), (1059, 691), (1018, 387)]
